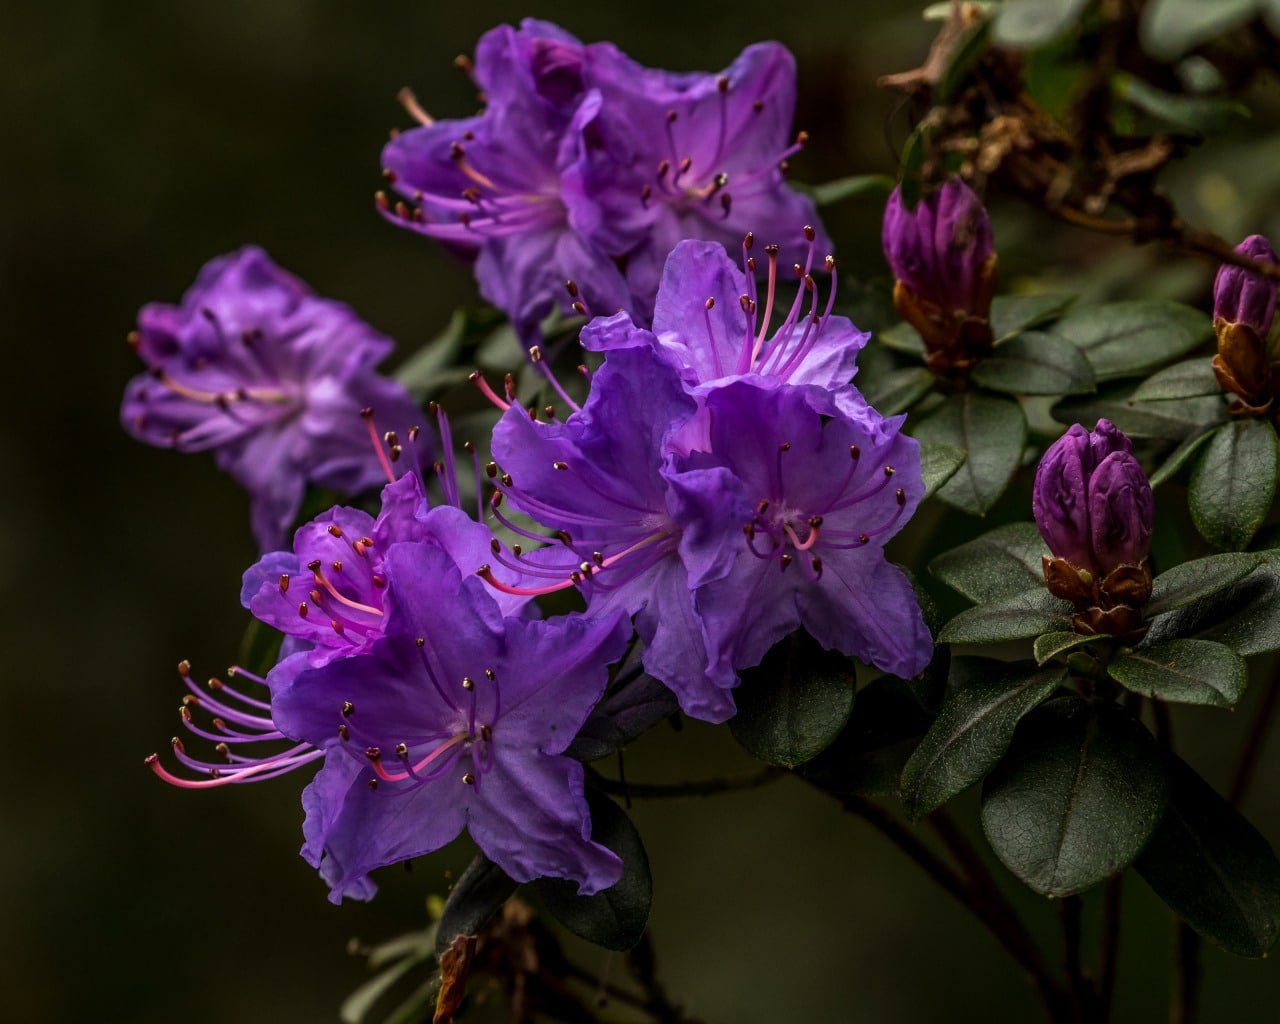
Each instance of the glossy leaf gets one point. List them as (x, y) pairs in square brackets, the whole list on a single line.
[(1076, 798), (1036, 363), (1183, 454), (938, 464), (1234, 481), (998, 564), (794, 703), (476, 897), (879, 185), (1244, 616), (622, 716), (1026, 24), (1011, 314), (1188, 379), (1126, 339), (898, 390), (902, 337), (1165, 421), (993, 432), (1051, 645), (615, 918), (1203, 115), (973, 729), (1183, 672), (1213, 868), (1027, 614), (1172, 27), (1191, 581)]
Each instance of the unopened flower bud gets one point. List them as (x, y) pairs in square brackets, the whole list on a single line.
[(942, 248), (1092, 502), (1242, 296)]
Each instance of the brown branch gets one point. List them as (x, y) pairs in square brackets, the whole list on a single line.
[(1110, 953), (1252, 751), (701, 787)]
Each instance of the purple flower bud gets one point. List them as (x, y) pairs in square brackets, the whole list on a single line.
[(1241, 296), (1121, 510), (1091, 500), (940, 248)]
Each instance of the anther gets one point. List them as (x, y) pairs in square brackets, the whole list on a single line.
[(337, 626), (749, 240), (302, 609), (901, 495), (378, 581), (710, 303), (381, 201), (486, 733), (184, 667), (133, 338), (348, 709), (468, 683), (889, 471), (771, 249), (785, 561), (571, 287), (491, 470), (337, 566), (468, 779), (809, 233), (495, 546), (785, 446), (314, 566), (344, 733), (490, 675), (672, 116), (757, 106), (560, 465), (722, 83), (815, 521), (284, 583), (402, 749), (854, 452), (763, 507), (177, 744), (372, 753), (421, 641), (802, 139), (535, 354), (335, 530), (223, 750), (373, 784)]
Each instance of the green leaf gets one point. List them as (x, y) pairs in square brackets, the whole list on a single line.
[(1191, 581), (938, 464), (1129, 339), (1172, 27), (1026, 24), (1050, 645), (794, 703), (998, 564), (1213, 869), (476, 897), (1181, 455), (431, 369), (911, 165), (1077, 796), (259, 648), (1035, 363), (1244, 616), (1165, 421), (964, 58), (1183, 672), (1203, 115), (1188, 379), (1027, 614), (1012, 314), (615, 918), (883, 731), (879, 185), (898, 390), (902, 337), (973, 729), (1233, 482), (993, 432)]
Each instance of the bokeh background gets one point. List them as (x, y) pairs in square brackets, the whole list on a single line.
[(143, 138)]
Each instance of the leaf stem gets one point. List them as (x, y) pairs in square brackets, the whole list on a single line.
[(1110, 953), (1252, 751), (1071, 910), (701, 787), (1185, 1008)]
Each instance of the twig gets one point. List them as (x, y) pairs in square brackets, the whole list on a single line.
[(1110, 953), (645, 968), (1071, 908), (1023, 951), (1252, 751), (1186, 994), (702, 787)]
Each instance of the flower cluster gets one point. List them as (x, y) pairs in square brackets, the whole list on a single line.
[(586, 166), (273, 379), (1095, 510)]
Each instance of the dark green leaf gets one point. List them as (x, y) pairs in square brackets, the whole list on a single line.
[(1188, 379), (616, 917), (993, 432), (1035, 363), (912, 163), (432, 368), (1213, 868), (794, 703), (1076, 798), (476, 897), (998, 564), (1233, 482), (1244, 617), (622, 716), (1127, 339), (867, 758), (1165, 421), (938, 464), (902, 337), (1181, 455), (1011, 314), (1026, 24), (879, 185), (1172, 27), (1050, 645), (898, 390), (1183, 672), (1203, 115), (259, 648), (973, 728), (1029, 613), (1193, 580)]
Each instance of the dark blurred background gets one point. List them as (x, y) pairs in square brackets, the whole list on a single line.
[(146, 137)]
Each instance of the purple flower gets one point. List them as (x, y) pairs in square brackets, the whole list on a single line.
[(457, 718), (600, 480), (490, 185), (813, 501), (941, 250), (272, 378), (710, 322), (1092, 501), (1241, 296), (678, 155)]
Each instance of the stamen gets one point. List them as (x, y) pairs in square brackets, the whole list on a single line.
[(413, 108), (477, 378), (367, 413)]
